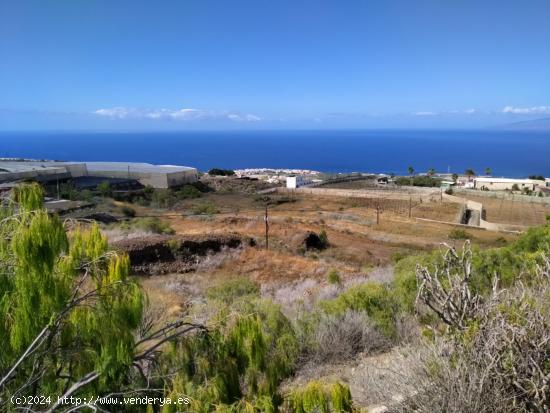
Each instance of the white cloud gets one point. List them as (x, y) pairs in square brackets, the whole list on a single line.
[(118, 112), (448, 112), (425, 113), (534, 110), (237, 117), (187, 114)]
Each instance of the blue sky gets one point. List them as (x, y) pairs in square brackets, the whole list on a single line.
[(204, 64)]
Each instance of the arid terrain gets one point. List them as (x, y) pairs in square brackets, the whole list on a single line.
[(513, 211), (364, 239)]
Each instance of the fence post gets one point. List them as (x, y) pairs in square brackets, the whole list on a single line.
[(266, 219)]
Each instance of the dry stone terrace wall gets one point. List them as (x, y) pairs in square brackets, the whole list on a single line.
[(426, 194), (162, 254), (503, 195)]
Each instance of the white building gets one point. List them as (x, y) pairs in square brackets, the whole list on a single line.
[(293, 182), (503, 184)]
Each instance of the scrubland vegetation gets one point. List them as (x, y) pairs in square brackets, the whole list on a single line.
[(470, 324), (419, 180), (221, 172), (153, 225)]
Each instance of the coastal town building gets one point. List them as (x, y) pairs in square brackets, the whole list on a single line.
[(447, 184), (157, 176), (293, 182), (503, 184)]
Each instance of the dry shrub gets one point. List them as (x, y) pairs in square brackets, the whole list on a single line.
[(215, 260), (436, 382), (494, 355), (387, 379), (407, 329), (302, 295), (381, 274), (118, 234), (341, 337), (423, 378)]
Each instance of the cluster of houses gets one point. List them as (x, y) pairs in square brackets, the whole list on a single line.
[(277, 176), (539, 186), (489, 183)]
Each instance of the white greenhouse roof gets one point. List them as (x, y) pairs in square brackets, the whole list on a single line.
[(135, 167)]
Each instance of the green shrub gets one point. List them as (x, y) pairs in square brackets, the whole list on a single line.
[(128, 211), (323, 238), (162, 198), (230, 290), (155, 225), (535, 239), (174, 245), (375, 299), (188, 192), (333, 277), (68, 191), (86, 195), (425, 181), (518, 258), (207, 208), (221, 172), (404, 283), (239, 362), (320, 397), (459, 233), (66, 304), (148, 224), (399, 255), (141, 201), (104, 188)]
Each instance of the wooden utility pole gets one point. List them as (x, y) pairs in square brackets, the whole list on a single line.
[(410, 206), (377, 212), (266, 219)]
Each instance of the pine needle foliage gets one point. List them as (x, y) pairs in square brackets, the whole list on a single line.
[(237, 366), (319, 397), (28, 197), (67, 298)]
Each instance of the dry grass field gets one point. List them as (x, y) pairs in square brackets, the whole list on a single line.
[(359, 246), (513, 212), (363, 245)]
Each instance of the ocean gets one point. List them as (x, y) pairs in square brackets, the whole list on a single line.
[(512, 154)]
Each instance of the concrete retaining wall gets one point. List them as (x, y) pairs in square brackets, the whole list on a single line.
[(479, 215)]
